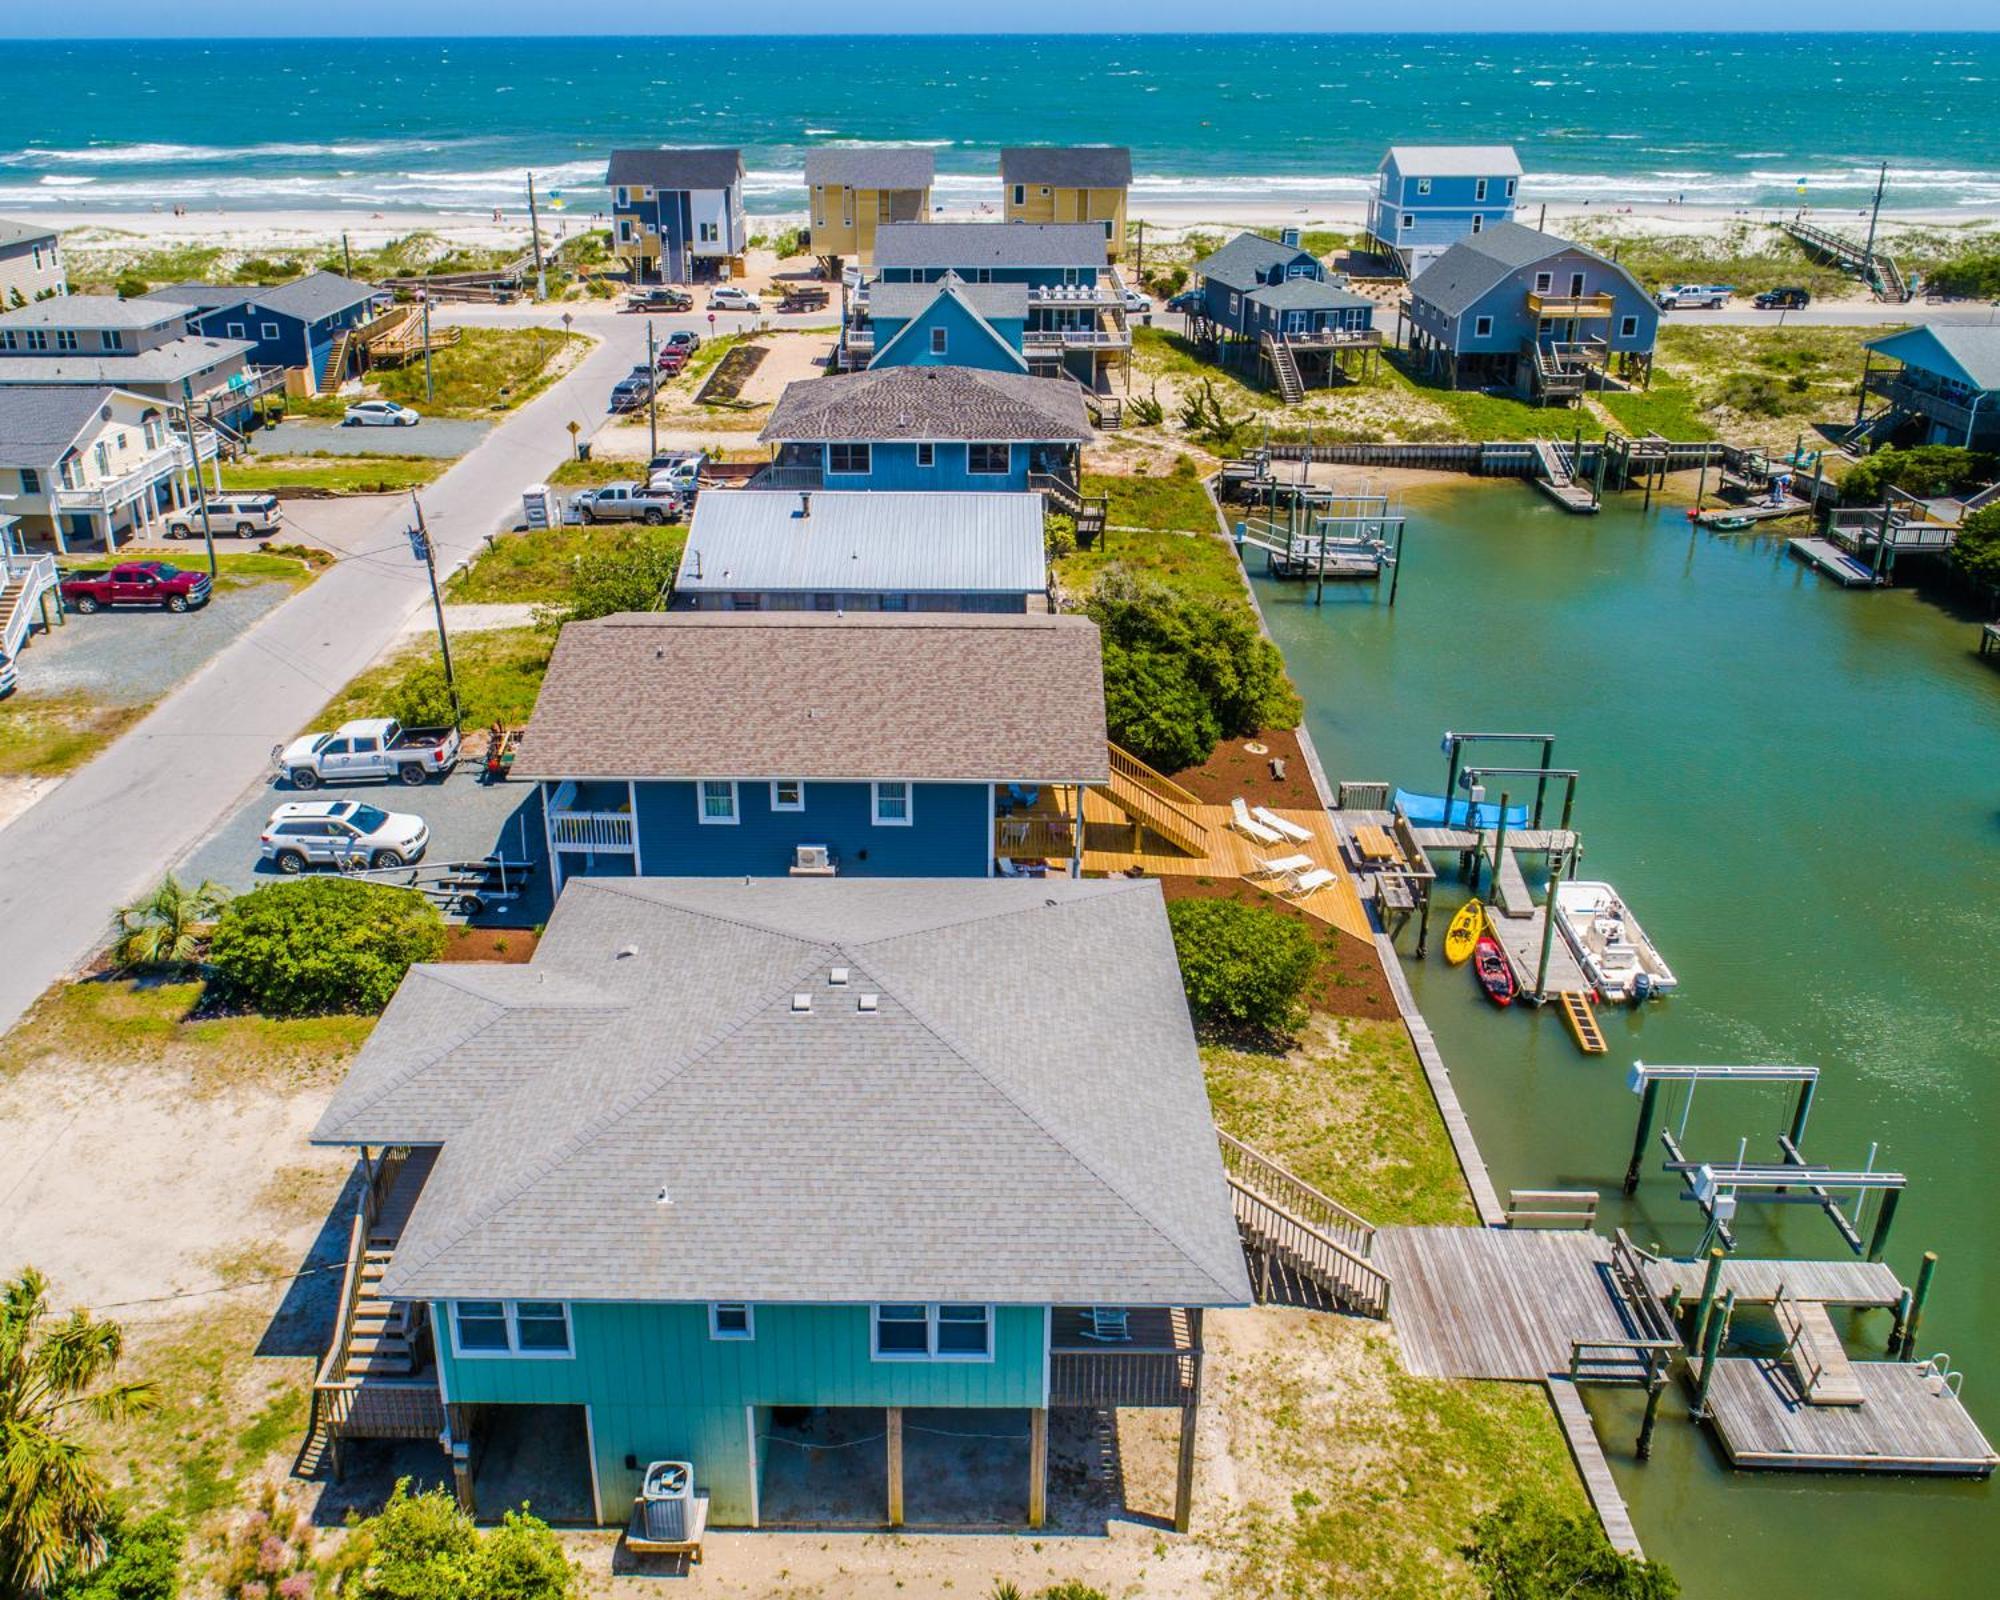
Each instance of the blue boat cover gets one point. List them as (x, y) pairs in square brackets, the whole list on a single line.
[(1427, 811)]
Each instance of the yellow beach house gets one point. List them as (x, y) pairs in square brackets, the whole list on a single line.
[(1083, 183), (850, 192)]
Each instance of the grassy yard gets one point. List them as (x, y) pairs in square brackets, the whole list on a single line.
[(331, 474), (1157, 353), (1163, 528), (47, 735), (537, 565), (1474, 415), (499, 674), (489, 371), (1669, 409)]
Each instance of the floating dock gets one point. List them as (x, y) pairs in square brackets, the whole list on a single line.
[(1828, 558), (1760, 511), (1907, 1418)]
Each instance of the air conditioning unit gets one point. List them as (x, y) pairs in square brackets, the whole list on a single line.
[(812, 861)]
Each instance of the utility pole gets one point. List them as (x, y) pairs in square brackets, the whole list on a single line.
[(194, 459), (430, 389), (535, 234), (1139, 270), (346, 256), (1874, 216), (420, 544), (652, 397)]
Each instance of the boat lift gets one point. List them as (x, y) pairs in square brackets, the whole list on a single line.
[(1719, 1187)]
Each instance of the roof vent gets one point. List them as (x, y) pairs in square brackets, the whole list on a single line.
[(868, 1003), (626, 952), (663, 1198), (801, 1003), (838, 977), (805, 504)]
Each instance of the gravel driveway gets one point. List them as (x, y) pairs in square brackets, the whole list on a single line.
[(443, 437), (133, 656)]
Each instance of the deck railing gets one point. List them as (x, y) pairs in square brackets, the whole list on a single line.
[(1570, 305), (591, 830), (1295, 1195), (35, 577), (1160, 1365)]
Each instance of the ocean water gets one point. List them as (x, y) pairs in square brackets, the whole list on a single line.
[(454, 125)]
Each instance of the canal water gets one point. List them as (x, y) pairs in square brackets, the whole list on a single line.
[(1797, 790)]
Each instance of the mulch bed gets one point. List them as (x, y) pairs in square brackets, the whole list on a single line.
[(726, 382), (1232, 770), (511, 946), (1348, 981)]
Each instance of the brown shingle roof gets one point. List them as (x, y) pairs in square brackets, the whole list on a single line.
[(815, 695), (929, 403)]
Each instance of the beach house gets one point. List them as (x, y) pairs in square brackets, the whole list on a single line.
[(1429, 196), (31, 265), (1944, 390), (1271, 303), (145, 347), (946, 323), (298, 327), (1074, 321), (677, 215), (928, 428), (849, 192), (818, 550), (1518, 309), (90, 465), (1076, 183), (865, 744), (865, 1199)]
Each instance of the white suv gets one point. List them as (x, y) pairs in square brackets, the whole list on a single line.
[(245, 515), (341, 833), (727, 297)]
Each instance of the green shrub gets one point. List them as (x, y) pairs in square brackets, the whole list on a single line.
[(1754, 394), (1241, 965), (422, 1547), (1070, 1589), (318, 945), (1927, 469), (422, 699), (1975, 275), (1059, 536), (635, 576), (142, 1562), (1976, 551), (131, 286), (1526, 1550), (1155, 708)]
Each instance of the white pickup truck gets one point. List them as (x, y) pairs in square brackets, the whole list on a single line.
[(374, 747), (1694, 296)]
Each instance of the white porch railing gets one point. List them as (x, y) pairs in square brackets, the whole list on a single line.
[(591, 830), (108, 494)]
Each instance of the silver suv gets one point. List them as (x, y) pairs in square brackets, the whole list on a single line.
[(245, 515), (341, 833)]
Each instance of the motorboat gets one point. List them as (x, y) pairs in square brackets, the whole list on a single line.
[(1613, 949)]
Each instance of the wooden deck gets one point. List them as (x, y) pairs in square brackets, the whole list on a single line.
[(1108, 848), (1835, 562), (1591, 1466), (1521, 939), (1833, 1283), (1906, 1421)]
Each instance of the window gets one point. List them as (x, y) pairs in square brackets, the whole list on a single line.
[(1423, 186), (933, 1333), (1510, 188), (1576, 286), (234, 330), (891, 801), (926, 455), (710, 233), (718, 800), (1020, 194), (623, 197), (989, 459), (268, 330), (1482, 327), (1479, 191), (6, 339), (1543, 281), (31, 481), (940, 341), (37, 339), (102, 455), (1478, 222), (510, 1328), (624, 230), (1109, 224), (731, 1319), (1409, 220), (789, 794), (848, 457), (112, 339), (66, 339), (1628, 327)]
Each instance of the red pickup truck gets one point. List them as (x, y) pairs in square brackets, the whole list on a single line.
[(135, 583)]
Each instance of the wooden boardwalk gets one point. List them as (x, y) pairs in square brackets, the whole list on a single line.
[(1906, 1421), (1591, 1466), (1833, 1283)]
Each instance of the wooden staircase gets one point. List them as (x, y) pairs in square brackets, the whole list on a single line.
[(24, 580), (333, 370), (1155, 802), (1089, 512), (1284, 368), (1582, 1022), (1302, 1246)]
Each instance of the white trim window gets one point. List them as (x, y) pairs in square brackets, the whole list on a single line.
[(731, 1319), (989, 460), (927, 455), (940, 341), (1544, 281), (1510, 188), (1423, 186), (530, 1329), (1482, 327), (1479, 191), (715, 802), (1020, 194), (1409, 220), (1478, 221), (891, 804), (934, 1332), (788, 794), (1628, 327)]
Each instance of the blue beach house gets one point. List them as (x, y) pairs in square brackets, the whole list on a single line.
[(296, 326), (1270, 301), (677, 215), (866, 1199), (817, 743), (1517, 309), (949, 323), (1429, 196), (928, 428), (1946, 390)]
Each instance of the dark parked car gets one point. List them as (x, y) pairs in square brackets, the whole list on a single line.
[(1187, 300), (659, 300), (633, 391), (1782, 300), (135, 583)]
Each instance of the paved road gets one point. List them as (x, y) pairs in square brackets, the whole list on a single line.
[(1852, 316), (107, 833)]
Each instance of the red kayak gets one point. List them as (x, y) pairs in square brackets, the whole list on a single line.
[(1489, 965)]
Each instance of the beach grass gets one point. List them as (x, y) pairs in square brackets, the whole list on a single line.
[(325, 473), (499, 673), (1669, 409), (490, 371), (1161, 528), (49, 735), (539, 565)]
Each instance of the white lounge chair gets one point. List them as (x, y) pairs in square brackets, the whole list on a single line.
[(1241, 820), (1282, 866), (1307, 882), (1291, 830)]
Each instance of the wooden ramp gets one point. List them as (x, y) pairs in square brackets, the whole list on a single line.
[(1510, 885), (1819, 1360), (1835, 562), (1582, 1022), (1591, 1466), (1908, 1420)]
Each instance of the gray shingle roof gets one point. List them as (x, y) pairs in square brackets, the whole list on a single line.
[(200, 296), (1975, 352), (942, 696), (12, 232), (317, 295), (92, 311), (1460, 277), (1307, 294), (1456, 160), (707, 167), (928, 403), (762, 541), (1239, 263), (903, 301), (1090, 166), (898, 167), (38, 422), (964, 245), (1022, 1120), (190, 358)]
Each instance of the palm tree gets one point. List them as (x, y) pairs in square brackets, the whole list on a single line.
[(54, 1504), (162, 929)]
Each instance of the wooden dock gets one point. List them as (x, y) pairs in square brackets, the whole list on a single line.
[(1834, 562), (1757, 511), (1581, 1435), (1907, 1420), (1521, 941), (1833, 1283)]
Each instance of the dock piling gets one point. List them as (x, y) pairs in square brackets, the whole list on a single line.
[(1705, 1307), (1549, 927), (1883, 1220), (1654, 1390), (1711, 1348), (1918, 1296), (1649, 1105)]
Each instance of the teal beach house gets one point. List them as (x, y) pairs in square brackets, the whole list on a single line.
[(838, 1190), (1430, 196)]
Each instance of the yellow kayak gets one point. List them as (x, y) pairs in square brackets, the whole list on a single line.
[(1464, 932)]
